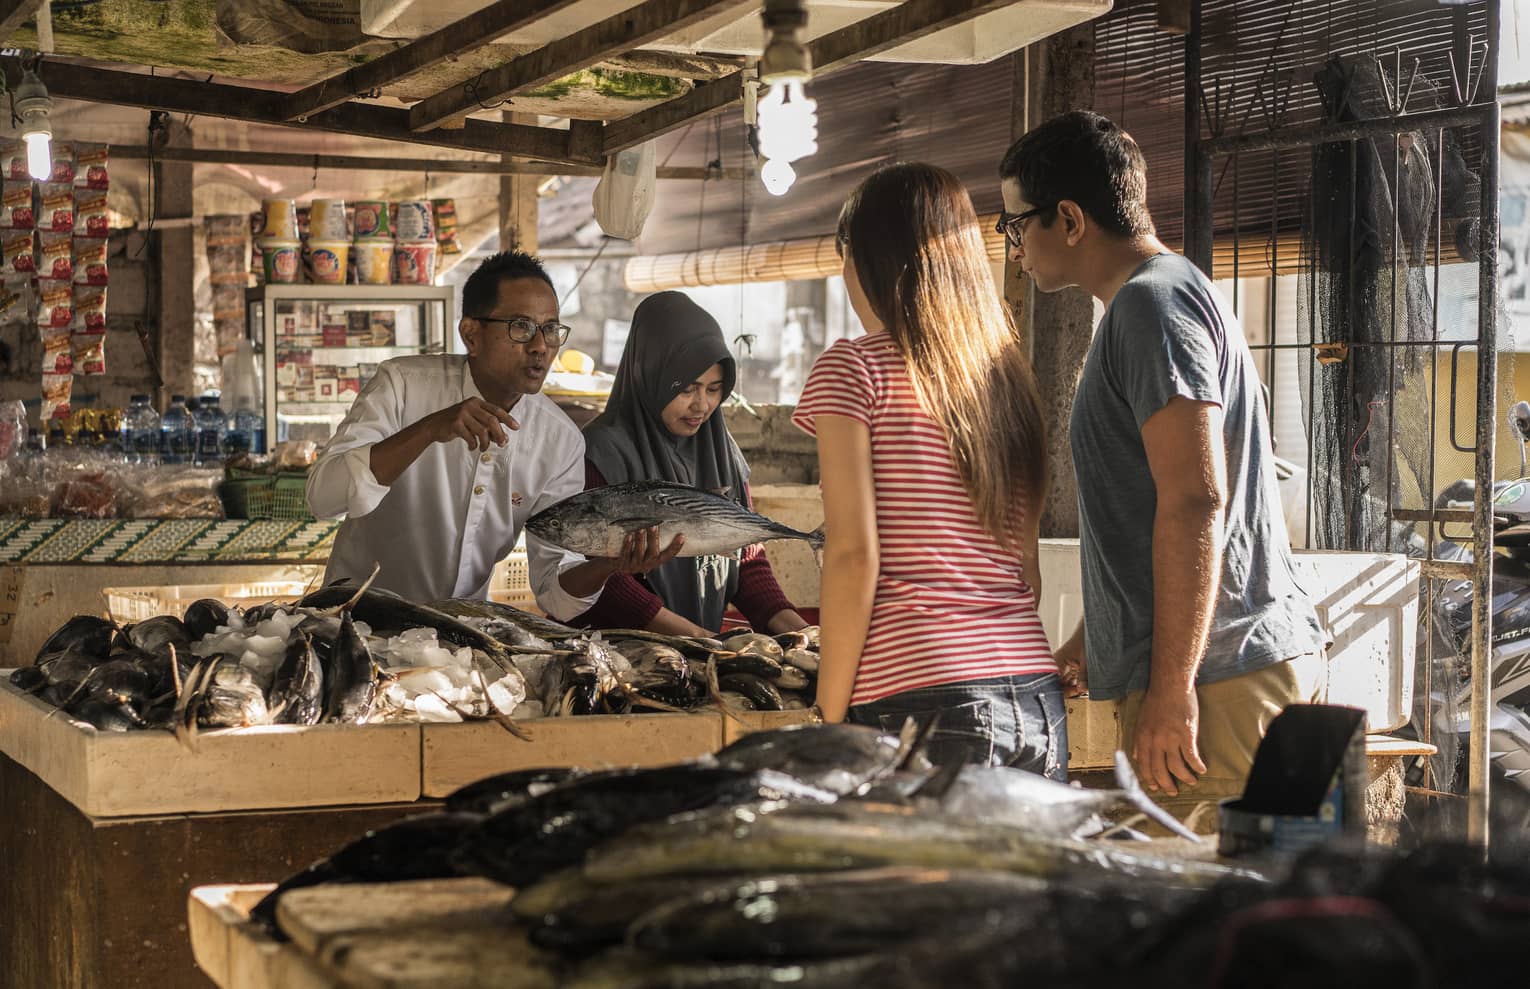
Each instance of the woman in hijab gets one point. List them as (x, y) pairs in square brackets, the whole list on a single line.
[(661, 424)]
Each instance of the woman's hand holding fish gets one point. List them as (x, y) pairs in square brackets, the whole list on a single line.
[(642, 551), (476, 422)]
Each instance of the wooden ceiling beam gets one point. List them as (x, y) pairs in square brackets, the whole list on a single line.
[(266, 106), (618, 33), (474, 31), (891, 28), (878, 33), (440, 166), (645, 125), (15, 13)]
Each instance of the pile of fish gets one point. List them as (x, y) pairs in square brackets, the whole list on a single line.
[(355, 655), (832, 856), (835, 850)]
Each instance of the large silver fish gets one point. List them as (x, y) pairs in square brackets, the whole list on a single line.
[(595, 522)]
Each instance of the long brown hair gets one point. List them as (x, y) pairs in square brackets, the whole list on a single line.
[(918, 252)]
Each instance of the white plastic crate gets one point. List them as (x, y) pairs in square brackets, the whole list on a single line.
[(511, 581), (136, 604)]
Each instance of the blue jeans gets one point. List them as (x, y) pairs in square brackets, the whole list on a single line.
[(1016, 721)]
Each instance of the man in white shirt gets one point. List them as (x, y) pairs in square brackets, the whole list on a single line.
[(443, 458)]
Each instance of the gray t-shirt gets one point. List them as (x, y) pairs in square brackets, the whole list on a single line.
[(1168, 333)]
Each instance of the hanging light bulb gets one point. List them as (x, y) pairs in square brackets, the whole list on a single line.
[(33, 105), (788, 118), (788, 122), (778, 176)]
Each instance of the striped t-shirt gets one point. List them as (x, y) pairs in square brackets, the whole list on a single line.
[(951, 604)]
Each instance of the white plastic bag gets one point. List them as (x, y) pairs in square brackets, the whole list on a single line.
[(624, 196)]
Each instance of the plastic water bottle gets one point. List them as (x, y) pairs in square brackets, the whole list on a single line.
[(177, 434), (140, 432), (211, 427), (245, 431)]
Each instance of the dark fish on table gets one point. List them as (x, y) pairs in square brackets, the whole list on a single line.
[(85, 634), (595, 522), (229, 697), (760, 691), (570, 686), (497, 792), (749, 664), (534, 630), (29, 679), (755, 644), (297, 690), (420, 847), (350, 682), (803, 837), (386, 613), (538, 836), (829, 915), (203, 617), (568, 913), (840, 757), (155, 635)]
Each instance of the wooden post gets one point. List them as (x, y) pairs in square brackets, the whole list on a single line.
[(1060, 325), (174, 251), (518, 201)]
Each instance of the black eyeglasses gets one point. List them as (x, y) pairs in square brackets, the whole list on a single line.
[(1012, 225), (523, 330)]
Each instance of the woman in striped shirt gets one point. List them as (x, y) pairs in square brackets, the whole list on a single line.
[(931, 448)]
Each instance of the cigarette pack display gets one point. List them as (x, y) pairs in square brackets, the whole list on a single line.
[(13, 162), (446, 225), (382, 322)]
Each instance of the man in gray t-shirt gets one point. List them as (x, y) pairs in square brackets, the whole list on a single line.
[(1191, 609)]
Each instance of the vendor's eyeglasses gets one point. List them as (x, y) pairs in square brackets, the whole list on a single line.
[(1012, 225), (523, 330)]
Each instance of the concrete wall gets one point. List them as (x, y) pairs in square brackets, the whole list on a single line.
[(129, 300), (777, 451)]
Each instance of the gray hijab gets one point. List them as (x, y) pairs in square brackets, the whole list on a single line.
[(673, 342)]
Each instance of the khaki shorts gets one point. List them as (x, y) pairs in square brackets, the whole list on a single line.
[(1234, 716)]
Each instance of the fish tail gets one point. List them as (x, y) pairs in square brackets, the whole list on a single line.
[(1127, 780)]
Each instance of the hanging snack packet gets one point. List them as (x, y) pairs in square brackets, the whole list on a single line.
[(16, 206), (15, 299), (17, 245), (446, 225), (90, 308), (13, 162), (56, 389), (89, 261), (55, 255), (57, 356), (56, 306), (57, 208), (88, 350), (90, 171), (63, 164), (90, 213)]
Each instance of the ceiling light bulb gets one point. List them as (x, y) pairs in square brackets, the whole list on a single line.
[(32, 105), (778, 176), (39, 155), (788, 122)]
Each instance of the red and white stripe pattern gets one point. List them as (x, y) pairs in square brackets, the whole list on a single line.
[(951, 604)]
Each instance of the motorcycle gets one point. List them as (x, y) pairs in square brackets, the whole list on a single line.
[(1451, 616)]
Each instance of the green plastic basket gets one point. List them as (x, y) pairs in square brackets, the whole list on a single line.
[(247, 497), (289, 497)]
